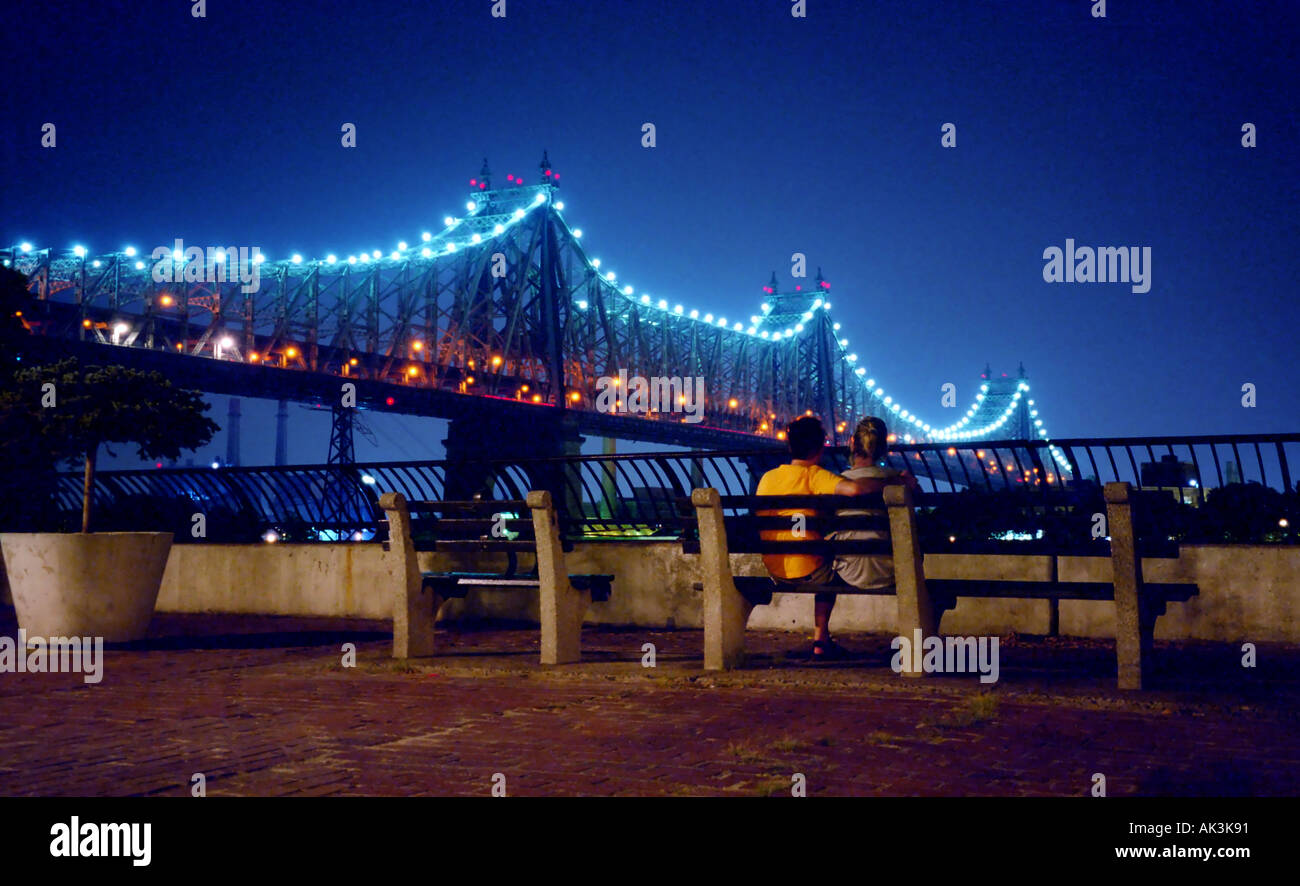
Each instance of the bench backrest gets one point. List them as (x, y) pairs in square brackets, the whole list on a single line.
[(756, 526), (475, 525)]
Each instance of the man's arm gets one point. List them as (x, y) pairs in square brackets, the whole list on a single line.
[(855, 487)]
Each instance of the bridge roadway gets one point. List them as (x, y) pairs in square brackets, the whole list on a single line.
[(237, 378)]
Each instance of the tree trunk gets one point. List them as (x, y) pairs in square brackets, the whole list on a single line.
[(87, 490)]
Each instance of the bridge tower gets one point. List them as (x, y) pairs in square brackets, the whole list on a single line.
[(808, 368), (1024, 427), (1000, 395), (341, 498), (541, 332)]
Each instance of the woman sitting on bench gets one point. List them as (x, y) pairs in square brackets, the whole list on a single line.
[(867, 449)]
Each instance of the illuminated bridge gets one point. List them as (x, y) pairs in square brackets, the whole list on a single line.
[(498, 319)]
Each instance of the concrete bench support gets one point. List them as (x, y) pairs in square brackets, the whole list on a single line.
[(562, 606), (1135, 617), (915, 609), (414, 609), (726, 611)]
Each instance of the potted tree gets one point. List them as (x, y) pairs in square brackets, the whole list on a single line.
[(93, 584)]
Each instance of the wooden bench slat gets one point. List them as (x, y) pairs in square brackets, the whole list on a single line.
[(872, 502), (824, 547), (455, 584), (486, 545), (482, 505)]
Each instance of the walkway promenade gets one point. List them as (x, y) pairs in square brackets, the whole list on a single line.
[(263, 706)]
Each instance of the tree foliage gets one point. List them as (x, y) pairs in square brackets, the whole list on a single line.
[(67, 411)]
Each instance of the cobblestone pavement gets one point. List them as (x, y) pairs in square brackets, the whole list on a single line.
[(264, 706)]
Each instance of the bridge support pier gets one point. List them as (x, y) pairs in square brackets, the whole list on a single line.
[(477, 441)]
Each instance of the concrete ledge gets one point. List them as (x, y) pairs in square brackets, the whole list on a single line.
[(1247, 592)]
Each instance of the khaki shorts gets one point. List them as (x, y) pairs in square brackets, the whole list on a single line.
[(822, 575)]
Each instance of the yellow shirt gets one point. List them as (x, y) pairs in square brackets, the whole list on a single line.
[(794, 480)]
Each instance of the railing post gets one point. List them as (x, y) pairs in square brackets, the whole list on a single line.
[(413, 612), (1134, 623), (915, 609), (562, 606), (726, 611)]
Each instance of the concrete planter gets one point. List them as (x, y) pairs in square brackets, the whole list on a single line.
[(94, 585)]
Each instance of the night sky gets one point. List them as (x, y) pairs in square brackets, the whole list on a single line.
[(775, 135)]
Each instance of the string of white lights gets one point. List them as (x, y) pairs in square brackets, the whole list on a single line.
[(449, 241)]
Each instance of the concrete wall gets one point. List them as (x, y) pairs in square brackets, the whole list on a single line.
[(1246, 592)]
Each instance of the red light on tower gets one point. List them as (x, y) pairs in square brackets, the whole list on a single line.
[(482, 186), (548, 172), (510, 177), (389, 401), (557, 176), (473, 182), (798, 289)]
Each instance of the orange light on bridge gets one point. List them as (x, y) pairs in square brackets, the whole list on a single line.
[(524, 388), (807, 412), (780, 435), (763, 426), (85, 323), (733, 403), (952, 450), (167, 301), (496, 361), (469, 379), (352, 362), (979, 454), (471, 364), (537, 398), (575, 396), (417, 345), (681, 398), (291, 353), (253, 357), (892, 438), (412, 371), (179, 346)]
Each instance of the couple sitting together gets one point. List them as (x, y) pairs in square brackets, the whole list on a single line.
[(803, 476)]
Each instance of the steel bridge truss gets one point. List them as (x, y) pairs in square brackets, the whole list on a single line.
[(502, 302)]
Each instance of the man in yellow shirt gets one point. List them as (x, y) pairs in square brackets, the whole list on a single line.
[(806, 438)]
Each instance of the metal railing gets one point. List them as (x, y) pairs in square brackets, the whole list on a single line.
[(634, 495)]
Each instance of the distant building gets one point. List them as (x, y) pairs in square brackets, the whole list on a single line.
[(1179, 478)]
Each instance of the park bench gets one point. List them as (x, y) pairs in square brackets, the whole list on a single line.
[(488, 528), (728, 599)]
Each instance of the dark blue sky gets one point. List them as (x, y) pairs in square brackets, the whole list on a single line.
[(775, 135)]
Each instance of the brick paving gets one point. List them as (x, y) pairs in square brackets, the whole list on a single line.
[(263, 706)]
